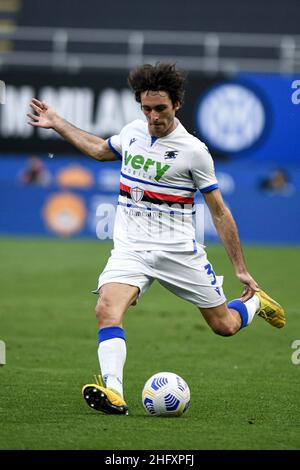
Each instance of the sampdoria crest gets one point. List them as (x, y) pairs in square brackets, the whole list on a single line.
[(170, 155), (136, 193)]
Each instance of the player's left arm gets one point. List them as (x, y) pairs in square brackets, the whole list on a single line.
[(228, 232)]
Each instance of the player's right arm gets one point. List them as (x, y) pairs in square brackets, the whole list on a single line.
[(89, 144)]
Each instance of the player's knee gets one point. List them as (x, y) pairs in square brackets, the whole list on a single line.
[(223, 329), (106, 314), (103, 309)]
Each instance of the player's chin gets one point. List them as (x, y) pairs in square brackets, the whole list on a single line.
[(158, 129)]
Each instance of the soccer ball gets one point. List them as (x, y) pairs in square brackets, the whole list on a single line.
[(166, 394)]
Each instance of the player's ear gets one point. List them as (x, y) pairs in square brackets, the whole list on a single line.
[(177, 106)]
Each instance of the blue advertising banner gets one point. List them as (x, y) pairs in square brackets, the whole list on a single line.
[(252, 115), (59, 197), (74, 196)]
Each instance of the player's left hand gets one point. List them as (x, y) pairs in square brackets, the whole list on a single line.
[(250, 284)]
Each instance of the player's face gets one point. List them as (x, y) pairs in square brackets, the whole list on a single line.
[(159, 111)]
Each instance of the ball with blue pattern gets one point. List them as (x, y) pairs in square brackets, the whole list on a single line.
[(166, 394)]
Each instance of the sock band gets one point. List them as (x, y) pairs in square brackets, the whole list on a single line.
[(240, 307), (111, 332)]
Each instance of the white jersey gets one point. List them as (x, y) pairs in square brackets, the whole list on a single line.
[(159, 179)]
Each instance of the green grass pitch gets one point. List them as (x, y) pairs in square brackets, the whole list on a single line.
[(244, 389)]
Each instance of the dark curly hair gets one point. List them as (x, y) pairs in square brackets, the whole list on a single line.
[(159, 77)]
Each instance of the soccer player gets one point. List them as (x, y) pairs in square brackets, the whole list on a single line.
[(154, 237)]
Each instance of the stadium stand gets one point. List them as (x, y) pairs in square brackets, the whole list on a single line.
[(215, 36)]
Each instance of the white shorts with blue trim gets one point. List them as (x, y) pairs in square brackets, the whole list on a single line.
[(188, 275)]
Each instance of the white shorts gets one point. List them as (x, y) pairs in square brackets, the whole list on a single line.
[(189, 275)]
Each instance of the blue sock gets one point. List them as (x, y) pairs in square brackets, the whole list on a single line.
[(241, 308), (110, 332)]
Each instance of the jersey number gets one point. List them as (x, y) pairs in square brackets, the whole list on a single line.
[(211, 271)]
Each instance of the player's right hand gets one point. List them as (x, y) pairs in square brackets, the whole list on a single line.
[(250, 286), (44, 116)]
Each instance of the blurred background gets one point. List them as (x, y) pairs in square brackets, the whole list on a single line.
[(242, 99)]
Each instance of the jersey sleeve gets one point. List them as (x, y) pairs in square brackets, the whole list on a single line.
[(202, 169), (115, 145)]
